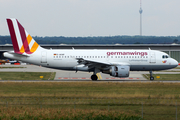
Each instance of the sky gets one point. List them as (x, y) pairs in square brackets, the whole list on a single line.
[(83, 18)]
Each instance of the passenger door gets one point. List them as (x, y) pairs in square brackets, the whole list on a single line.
[(152, 57)]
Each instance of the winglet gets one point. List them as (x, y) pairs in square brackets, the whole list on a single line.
[(21, 40)]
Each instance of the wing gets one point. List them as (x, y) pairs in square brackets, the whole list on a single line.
[(102, 65)]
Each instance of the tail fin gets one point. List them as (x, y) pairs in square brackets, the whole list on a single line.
[(22, 41)]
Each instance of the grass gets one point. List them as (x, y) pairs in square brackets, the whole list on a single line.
[(49, 99), (26, 75), (164, 76), (168, 71), (90, 89), (177, 68), (63, 114)]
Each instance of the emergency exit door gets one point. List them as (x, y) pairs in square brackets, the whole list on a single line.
[(43, 57)]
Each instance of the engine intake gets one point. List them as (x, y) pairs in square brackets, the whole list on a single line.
[(119, 71)]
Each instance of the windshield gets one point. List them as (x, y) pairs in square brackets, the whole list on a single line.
[(165, 56)]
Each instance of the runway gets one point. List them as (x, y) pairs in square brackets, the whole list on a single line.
[(70, 76)]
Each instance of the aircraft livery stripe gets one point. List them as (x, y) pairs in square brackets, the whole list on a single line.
[(13, 36), (24, 39), (22, 49), (29, 38), (17, 32), (34, 47)]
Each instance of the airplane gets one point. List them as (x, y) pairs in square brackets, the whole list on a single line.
[(117, 62)]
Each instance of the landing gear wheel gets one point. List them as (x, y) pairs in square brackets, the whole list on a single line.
[(94, 77), (151, 78)]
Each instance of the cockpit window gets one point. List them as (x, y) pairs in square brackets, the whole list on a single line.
[(165, 56)]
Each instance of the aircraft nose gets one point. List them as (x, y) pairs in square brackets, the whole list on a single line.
[(174, 63)]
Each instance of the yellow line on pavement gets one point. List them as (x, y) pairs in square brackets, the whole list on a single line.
[(99, 76)]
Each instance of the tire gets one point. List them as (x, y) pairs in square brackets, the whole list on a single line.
[(94, 77), (151, 78)]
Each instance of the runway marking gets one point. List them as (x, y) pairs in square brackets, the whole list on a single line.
[(73, 78), (76, 78), (99, 76), (123, 78)]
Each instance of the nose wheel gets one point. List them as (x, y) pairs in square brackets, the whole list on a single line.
[(151, 76), (94, 77)]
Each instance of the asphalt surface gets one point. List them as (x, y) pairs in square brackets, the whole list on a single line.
[(61, 75)]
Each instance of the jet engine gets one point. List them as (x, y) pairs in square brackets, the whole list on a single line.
[(118, 71)]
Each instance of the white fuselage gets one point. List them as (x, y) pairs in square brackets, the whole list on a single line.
[(138, 60)]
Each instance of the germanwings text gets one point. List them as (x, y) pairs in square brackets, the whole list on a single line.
[(127, 53)]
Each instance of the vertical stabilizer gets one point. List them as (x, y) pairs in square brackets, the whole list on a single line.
[(21, 40)]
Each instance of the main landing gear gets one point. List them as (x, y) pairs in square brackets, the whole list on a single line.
[(94, 77), (151, 76)]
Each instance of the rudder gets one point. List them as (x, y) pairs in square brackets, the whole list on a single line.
[(21, 40)]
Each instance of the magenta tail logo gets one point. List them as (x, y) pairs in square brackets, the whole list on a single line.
[(22, 41)]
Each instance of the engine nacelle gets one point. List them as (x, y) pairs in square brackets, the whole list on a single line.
[(120, 71), (81, 68)]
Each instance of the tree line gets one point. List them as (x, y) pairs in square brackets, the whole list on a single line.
[(101, 40)]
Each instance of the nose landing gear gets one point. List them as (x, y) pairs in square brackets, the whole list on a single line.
[(151, 76)]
